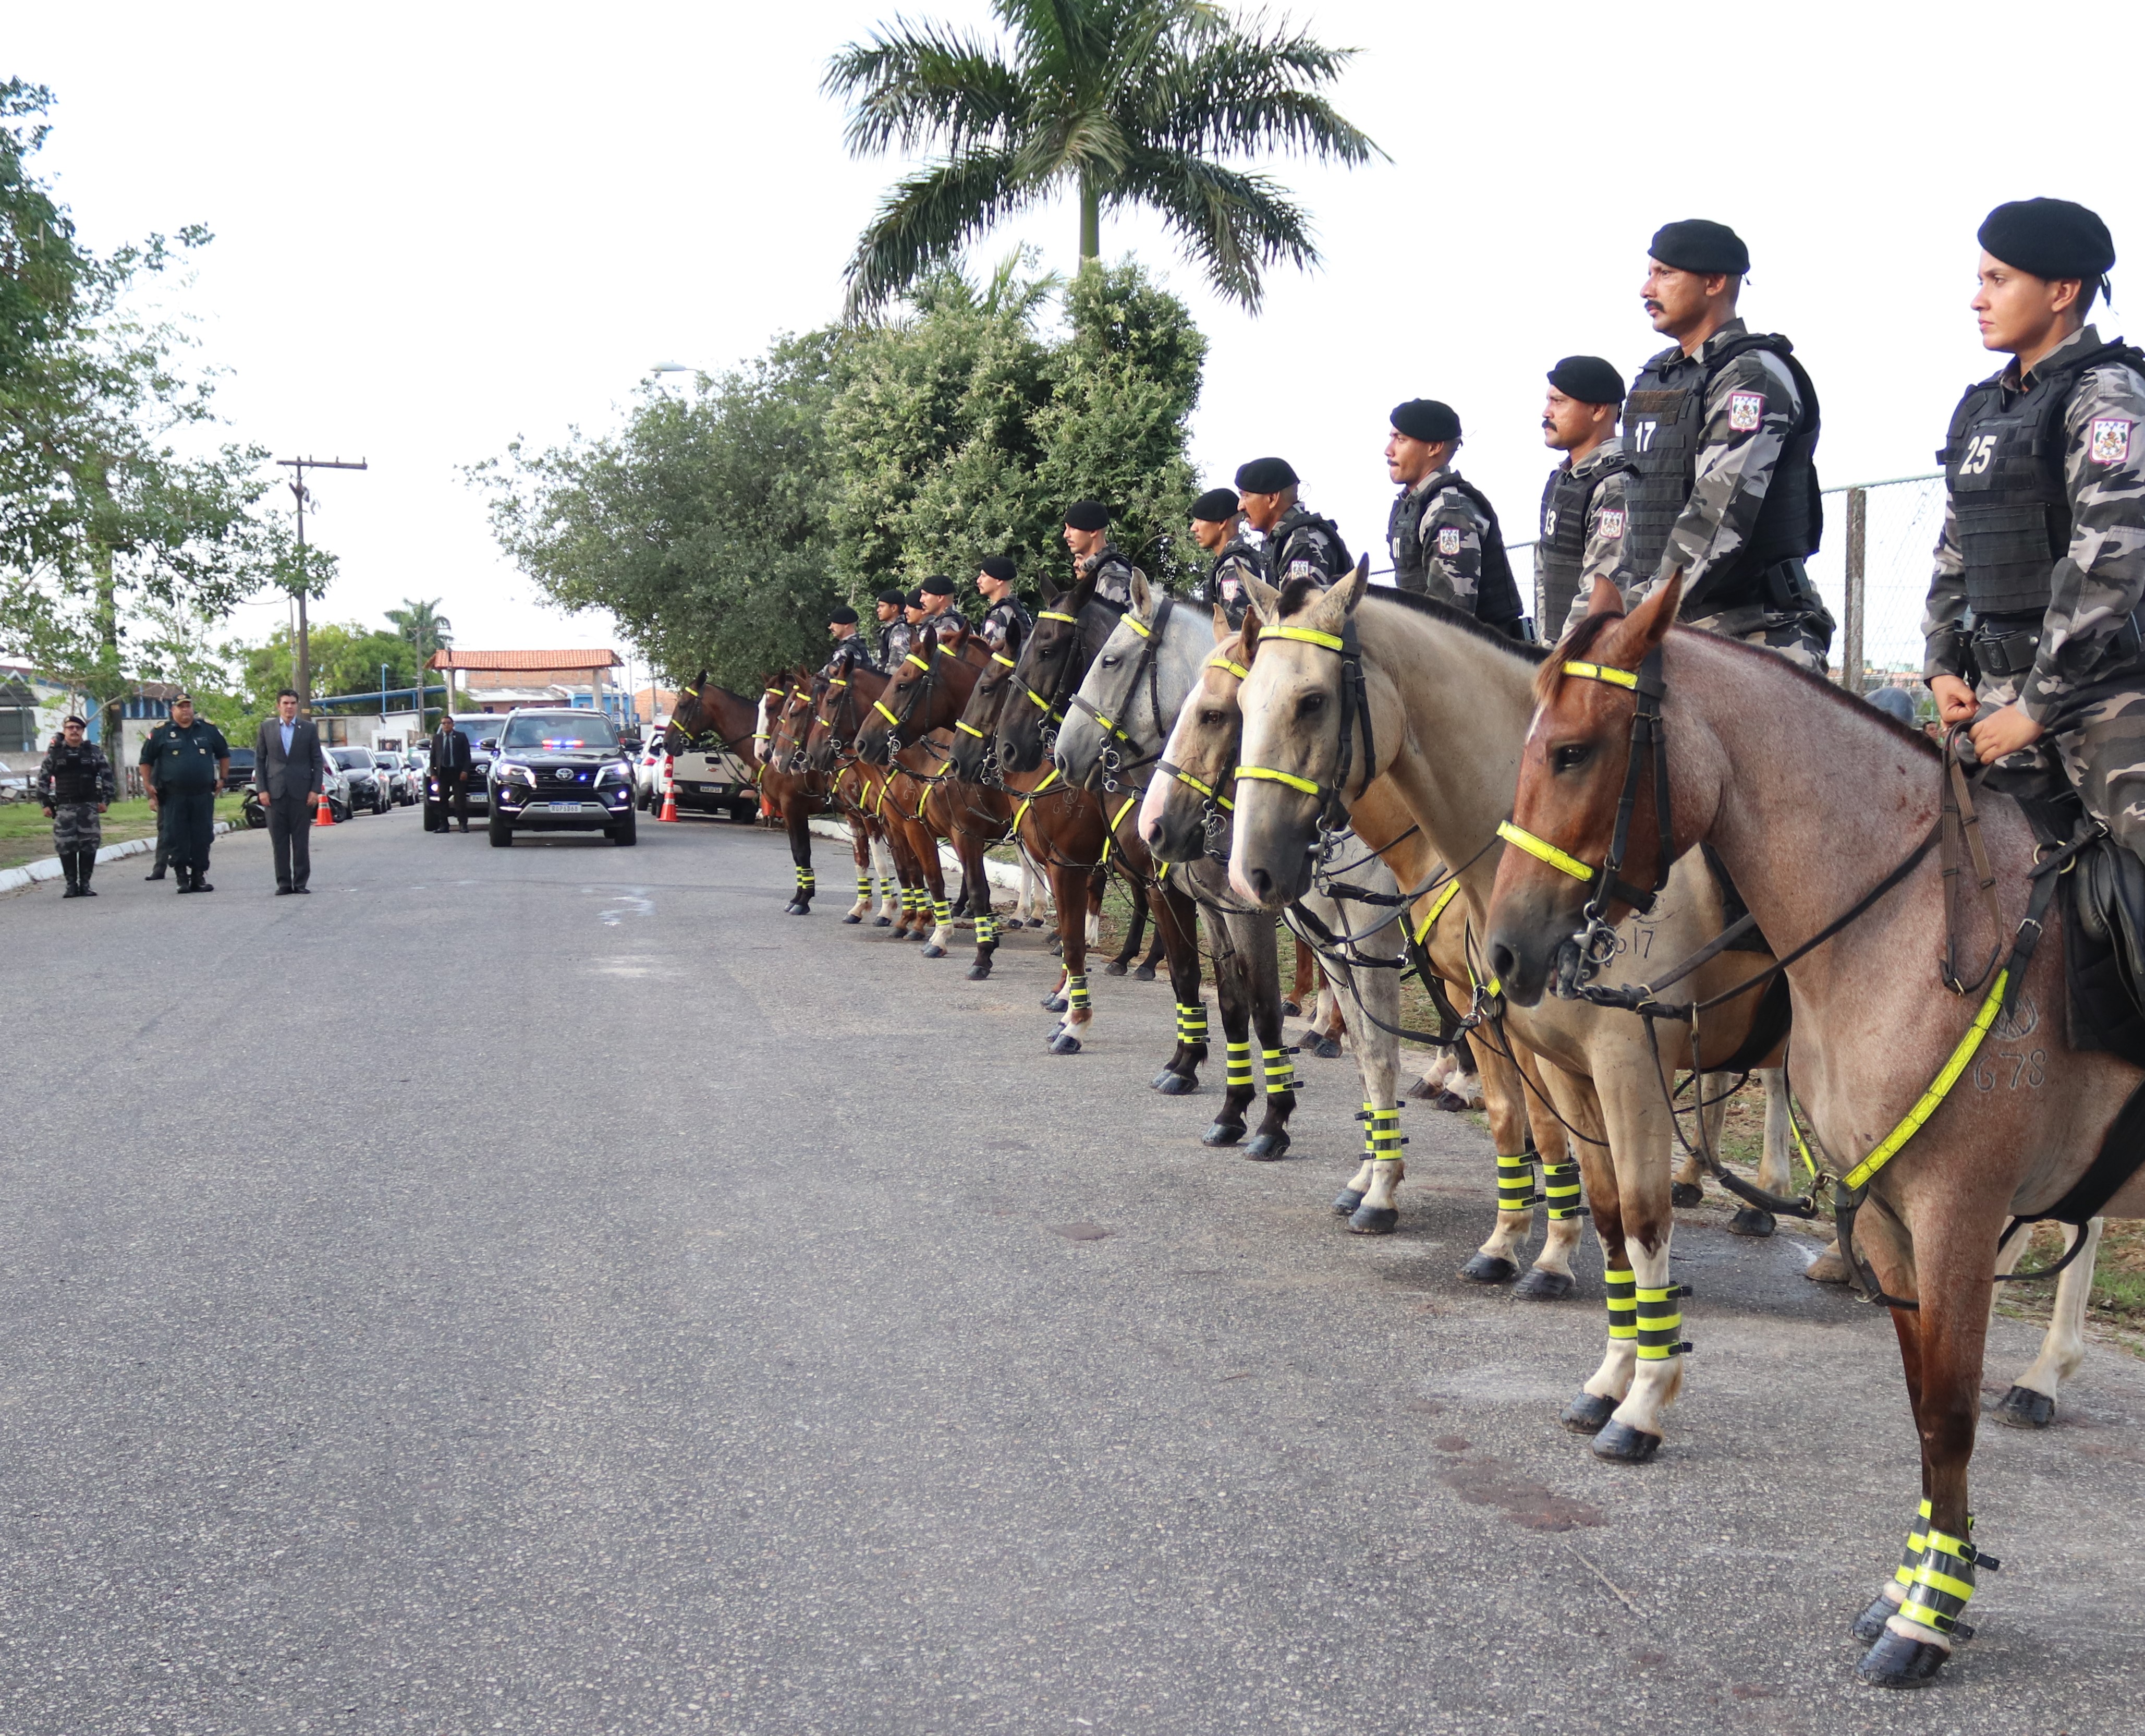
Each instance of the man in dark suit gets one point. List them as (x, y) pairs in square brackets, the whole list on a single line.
[(450, 766), (289, 767)]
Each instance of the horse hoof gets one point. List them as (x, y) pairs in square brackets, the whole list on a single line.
[(1065, 1043), (1054, 1003), (1540, 1284), (1116, 967), (1290, 1010), (1896, 1661), (1869, 1625), (1345, 1201), (1828, 1268), (1490, 1269), (1145, 973), (1451, 1103), (1374, 1220), (1686, 1195), (791, 908), (1752, 1220), (2022, 1408), (1265, 1147), (1226, 1133), (1325, 1048), (882, 922), (934, 952), (853, 919), (979, 970), (1056, 947), (1174, 1084), (1588, 1414), (1625, 1445)]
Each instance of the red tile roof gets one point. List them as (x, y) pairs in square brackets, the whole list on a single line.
[(532, 660)]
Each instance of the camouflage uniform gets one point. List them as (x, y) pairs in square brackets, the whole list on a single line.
[(1458, 557), (1224, 583), (951, 620), (1601, 545), (849, 655), (895, 643), (1753, 414), (72, 781), (1112, 575), (1302, 545), (1005, 626), (2085, 685)]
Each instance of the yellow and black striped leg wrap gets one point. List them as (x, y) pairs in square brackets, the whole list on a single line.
[(1943, 1584), (941, 912), (1381, 1134), (863, 889), (1516, 1181), (1280, 1071), (1191, 1025), (1560, 1190), (1076, 994), (887, 886), (1661, 1323), (1240, 1066), (1622, 1285), (987, 930), (806, 886)]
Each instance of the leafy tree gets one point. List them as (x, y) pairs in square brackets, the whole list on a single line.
[(423, 625), (1126, 101)]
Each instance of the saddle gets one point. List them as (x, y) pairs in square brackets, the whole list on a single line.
[(2103, 893)]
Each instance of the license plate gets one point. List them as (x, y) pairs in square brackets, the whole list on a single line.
[(564, 807)]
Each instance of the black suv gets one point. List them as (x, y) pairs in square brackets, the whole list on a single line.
[(560, 771)]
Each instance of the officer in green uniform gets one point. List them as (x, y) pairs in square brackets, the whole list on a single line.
[(183, 764)]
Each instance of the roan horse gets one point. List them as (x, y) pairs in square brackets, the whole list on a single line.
[(2050, 1131)]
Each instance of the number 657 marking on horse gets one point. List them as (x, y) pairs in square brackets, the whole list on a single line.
[(2032, 1069)]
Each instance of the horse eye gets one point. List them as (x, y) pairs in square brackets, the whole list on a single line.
[(1111, 661), (1310, 705), (1212, 719), (1571, 755)]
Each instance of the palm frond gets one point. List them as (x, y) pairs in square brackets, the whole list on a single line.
[(1079, 138), (1233, 224), (928, 217), (922, 86), (1246, 93)]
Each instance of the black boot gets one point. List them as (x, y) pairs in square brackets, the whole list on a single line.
[(67, 868), (85, 865), (200, 879), (185, 877)]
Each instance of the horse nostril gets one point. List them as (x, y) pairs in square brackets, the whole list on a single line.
[(1262, 883), (1503, 962)]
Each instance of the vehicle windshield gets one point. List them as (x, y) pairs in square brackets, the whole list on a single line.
[(556, 730), (477, 728), (351, 759)]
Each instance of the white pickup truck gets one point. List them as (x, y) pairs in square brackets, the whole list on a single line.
[(713, 782)]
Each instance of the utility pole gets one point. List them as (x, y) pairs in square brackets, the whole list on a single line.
[(302, 662)]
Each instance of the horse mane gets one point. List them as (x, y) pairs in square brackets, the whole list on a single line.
[(1581, 639), (1297, 592)]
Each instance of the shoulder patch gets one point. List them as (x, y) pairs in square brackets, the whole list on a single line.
[(2109, 442), (1746, 411), (1608, 522), (1450, 539), (1304, 569)]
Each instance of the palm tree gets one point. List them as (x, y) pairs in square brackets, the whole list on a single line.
[(1131, 101), (423, 625)]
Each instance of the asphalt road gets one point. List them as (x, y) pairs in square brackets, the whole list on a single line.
[(555, 1291)]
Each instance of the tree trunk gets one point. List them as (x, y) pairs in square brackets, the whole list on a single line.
[(113, 726), (1091, 218)]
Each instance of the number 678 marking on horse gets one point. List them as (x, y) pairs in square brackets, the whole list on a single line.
[(2032, 1069)]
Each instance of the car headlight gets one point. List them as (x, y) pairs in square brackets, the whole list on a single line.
[(613, 775), (515, 775)]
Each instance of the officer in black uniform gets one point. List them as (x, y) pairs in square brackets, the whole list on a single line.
[(939, 609), (1095, 556), (849, 653), (1299, 544), (1217, 526), (1585, 506), (75, 785), (184, 763), (450, 763), (1443, 532), (1006, 622), (888, 611)]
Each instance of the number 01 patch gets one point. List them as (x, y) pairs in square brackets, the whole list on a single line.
[(1746, 409), (2110, 443)]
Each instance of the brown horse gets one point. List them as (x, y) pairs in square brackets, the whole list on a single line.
[(1809, 797)]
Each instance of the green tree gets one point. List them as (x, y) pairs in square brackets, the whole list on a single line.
[(422, 624), (1125, 102)]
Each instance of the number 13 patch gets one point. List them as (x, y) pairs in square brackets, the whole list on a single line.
[(1746, 409), (2110, 441)]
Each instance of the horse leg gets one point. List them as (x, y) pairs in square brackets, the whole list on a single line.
[(1072, 923), (1272, 1140), (976, 886), (1463, 1089), (860, 848), (1455, 1056), (2031, 1402), (797, 821), (1233, 989), (908, 927), (1363, 1002), (1175, 920), (1579, 1103), (1306, 981), (941, 911), (1550, 1278), (1773, 1173), (1497, 1260), (889, 880), (1157, 951), (1135, 932)]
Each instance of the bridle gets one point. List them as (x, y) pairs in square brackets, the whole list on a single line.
[(895, 720), (1052, 707), (839, 745), (1217, 807), (1355, 708), (1146, 663)]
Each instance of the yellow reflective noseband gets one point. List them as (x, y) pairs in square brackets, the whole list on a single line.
[(1543, 850), (1269, 775)]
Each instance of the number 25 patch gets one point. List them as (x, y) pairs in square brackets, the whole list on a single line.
[(2110, 442), (1746, 409)]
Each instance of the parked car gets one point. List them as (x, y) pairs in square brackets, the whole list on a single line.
[(335, 783), (396, 776), (713, 782), (560, 771), (241, 771), (482, 729), (648, 775), (367, 792)]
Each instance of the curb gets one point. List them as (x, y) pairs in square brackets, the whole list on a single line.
[(1002, 874), (12, 880)]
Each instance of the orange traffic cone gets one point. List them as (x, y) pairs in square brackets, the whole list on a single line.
[(324, 815), (669, 789)]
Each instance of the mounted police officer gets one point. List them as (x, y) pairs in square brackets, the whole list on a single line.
[(899, 640), (887, 609), (1723, 428), (1095, 556), (75, 785), (2044, 523), (1443, 530), (939, 609), (1217, 526), (1299, 544), (1006, 622), (184, 763), (850, 652), (1585, 506)]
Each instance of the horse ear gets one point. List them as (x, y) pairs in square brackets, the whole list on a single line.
[(1355, 586), (1222, 627), (1142, 596), (1264, 597), (1605, 599), (1337, 604), (1649, 624)]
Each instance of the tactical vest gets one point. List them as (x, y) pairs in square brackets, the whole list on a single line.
[(1113, 577), (1237, 558), (1664, 429), (1282, 542), (1497, 594), (1006, 625), (1567, 505), (2003, 465)]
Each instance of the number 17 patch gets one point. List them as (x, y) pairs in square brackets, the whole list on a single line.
[(1746, 409), (2110, 440)]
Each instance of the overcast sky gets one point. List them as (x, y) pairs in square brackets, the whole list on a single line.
[(441, 227)]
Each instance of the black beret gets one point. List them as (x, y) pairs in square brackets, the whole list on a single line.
[(1696, 245), (841, 615), (998, 566), (1426, 419), (1588, 379), (890, 595), (937, 584), (915, 600), (2050, 238), (1217, 506), (1266, 476), (1087, 516)]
